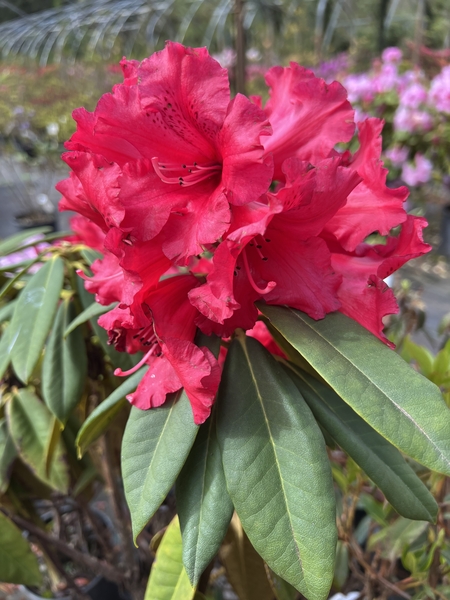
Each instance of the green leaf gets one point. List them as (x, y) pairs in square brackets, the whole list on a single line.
[(282, 589), (64, 367), (94, 310), (203, 504), (5, 351), (244, 567), (441, 365), (90, 255), (18, 564), (168, 578), (14, 242), (394, 538), (8, 453), (382, 462), (55, 235), (33, 316), (341, 570), (421, 355), (404, 407), (155, 445), (31, 426), (6, 311), (276, 468), (104, 413), (21, 274)]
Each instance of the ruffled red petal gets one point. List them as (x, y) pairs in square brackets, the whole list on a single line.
[(308, 116)]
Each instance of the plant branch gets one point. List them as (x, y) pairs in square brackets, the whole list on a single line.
[(97, 566)]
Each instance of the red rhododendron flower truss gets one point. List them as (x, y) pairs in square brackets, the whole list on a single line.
[(163, 328), (204, 205)]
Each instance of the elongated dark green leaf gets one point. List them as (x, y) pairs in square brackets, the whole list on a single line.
[(30, 424), (168, 578), (104, 413), (18, 564), (341, 570), (33, 316), (203, 504), (14, 242), (155, 445), (276, 468), (382, 462), (404, 407), (5, 351), (6, 311), (64, 366), (8, 453), (94, 310)]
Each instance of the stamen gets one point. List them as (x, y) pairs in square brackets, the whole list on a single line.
[(121, 373), (269, 287), (196, 173)]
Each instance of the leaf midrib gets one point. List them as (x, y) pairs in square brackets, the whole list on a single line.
[(35, 325), (255, 381)]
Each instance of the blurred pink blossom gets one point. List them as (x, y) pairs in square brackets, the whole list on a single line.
[(413, 96), (387, 79), (392, 55), (439, 95), (397, 155), (419, 172), (359, 87), (407, 119)]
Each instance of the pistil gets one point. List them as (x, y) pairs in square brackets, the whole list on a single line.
[(269, 287)]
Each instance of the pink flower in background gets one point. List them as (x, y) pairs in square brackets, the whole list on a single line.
[(392, 55), (413, 96), (407, 119), (359, 87), (397, 155), (387, 79), (440, 91), (419, 172)]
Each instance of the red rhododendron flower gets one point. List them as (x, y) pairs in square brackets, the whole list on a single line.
[(206, 205), (183, 150), (163, 327)]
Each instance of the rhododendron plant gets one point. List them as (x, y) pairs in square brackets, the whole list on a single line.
[(215, 214)]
